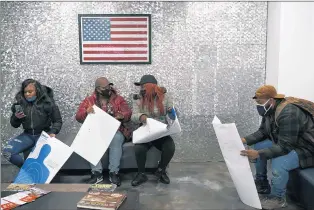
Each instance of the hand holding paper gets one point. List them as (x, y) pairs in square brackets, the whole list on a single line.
[(250, 153), (143, 118), (90, 110)]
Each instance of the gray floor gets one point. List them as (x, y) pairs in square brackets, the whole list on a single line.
[(193, 186)]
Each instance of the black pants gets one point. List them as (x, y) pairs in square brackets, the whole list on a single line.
[(164, 144)]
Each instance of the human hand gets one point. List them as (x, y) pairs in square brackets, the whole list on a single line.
[(250, 153), (143, 118), (119, 116), (243, 140), (20, 115), (52, 135), (90, 109)]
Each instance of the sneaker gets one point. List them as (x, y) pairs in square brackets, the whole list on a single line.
[(140, 178), (162, 176), (262, 186), (96, 178), (272, 202), (114, 178)]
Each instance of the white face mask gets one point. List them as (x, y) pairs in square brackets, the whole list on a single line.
[(261, 108)]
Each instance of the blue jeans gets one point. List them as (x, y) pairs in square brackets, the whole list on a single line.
[(280, 169), (18, 144), (115, 154)]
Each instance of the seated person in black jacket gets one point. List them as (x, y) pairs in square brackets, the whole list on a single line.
[(36, 110)]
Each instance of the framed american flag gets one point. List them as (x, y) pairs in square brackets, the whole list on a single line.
[(115, 38)]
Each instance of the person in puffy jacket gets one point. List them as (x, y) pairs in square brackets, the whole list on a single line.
[(36, 110), (106, 98), (153, 102)]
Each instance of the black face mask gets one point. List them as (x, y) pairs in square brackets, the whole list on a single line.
[(142, 92), (105, 93)]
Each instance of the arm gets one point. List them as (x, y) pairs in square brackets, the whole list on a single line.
[(124, 109), (290, 123), (56, 120), (136, 114), (258, 136), (14, 121), (81, 113)]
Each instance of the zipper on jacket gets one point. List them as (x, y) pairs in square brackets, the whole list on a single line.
[(32, 119)]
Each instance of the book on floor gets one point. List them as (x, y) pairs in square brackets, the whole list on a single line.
[(7, 205), (102, 187), (38, 192), (19, 187), (20, 198), (102, 200)]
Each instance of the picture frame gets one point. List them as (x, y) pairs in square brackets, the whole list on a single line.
[(115, 38)]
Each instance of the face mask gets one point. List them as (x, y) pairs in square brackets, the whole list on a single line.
[(31, 99), (262, 109), (142, 92), (105, 93)]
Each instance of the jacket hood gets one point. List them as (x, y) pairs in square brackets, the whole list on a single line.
[(43, 93), (48, 91)]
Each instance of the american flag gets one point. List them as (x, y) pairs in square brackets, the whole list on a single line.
[(115, 39)]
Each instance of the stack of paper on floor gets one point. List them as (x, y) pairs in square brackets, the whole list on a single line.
[(44, 162), (154, 129), (95, 135), (239, 168)]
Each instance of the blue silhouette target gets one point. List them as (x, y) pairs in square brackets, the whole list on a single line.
[(34, 170)]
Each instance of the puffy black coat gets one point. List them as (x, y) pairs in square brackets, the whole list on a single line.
[(42, 115)]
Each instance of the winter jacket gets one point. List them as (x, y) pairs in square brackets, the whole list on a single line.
[(118, 104), (41, 115), (293, 131)]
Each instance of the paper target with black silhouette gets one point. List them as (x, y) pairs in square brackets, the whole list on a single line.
[(44, 162)]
